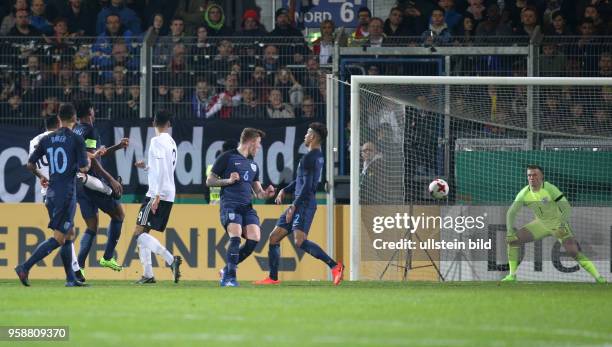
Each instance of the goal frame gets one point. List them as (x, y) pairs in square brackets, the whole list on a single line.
[(358, 81)]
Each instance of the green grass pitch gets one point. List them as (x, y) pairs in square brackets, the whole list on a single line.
[(193, 313)]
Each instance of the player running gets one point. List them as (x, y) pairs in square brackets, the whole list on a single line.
[(299, 215), (238, 176), (91, 200), (66, 156), (155, 209), (552, 211)]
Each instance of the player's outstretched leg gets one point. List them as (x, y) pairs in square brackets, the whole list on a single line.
[(147, 241), (514, 243), (43, 250), (313, 249), (86, 242), (572, 248)]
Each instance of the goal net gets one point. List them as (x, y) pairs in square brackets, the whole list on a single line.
[(479, 134)]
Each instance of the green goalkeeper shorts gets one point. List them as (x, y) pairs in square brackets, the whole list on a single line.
[(540, 230)]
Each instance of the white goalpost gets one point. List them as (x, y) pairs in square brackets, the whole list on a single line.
[(474, 132)]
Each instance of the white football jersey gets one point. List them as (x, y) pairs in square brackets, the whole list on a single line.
[(162, 163), (42, 164)]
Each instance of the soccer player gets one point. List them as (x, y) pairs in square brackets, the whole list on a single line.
[(66, 156), (238, 176), (299, 215), (42, 171), (552, 211), (91, 200), (155, 209)]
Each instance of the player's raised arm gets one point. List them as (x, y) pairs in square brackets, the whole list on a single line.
[(124, 143)]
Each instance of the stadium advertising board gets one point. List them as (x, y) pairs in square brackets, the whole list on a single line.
[(341, 12), (194, 232), (198, 145)]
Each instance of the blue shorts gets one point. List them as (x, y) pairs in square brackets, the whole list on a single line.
[(90, 201), (61, 213), (302, 219), (239, 214)]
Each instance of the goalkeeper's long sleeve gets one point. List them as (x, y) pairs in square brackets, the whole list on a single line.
[(565, 208), (511, 216)]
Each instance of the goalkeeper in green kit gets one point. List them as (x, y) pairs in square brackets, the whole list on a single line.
[(552, 211)]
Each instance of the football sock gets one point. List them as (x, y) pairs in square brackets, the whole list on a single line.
[(316, 251), (587, 264), (145, 259), (513, 258), (40, 252), (114, 232), (246, 250), (273, 260), (147, 241), (233, 255), (74, 261), (66, 254), (86, 242)]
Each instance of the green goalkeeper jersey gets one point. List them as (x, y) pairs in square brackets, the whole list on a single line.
[(548, 204)]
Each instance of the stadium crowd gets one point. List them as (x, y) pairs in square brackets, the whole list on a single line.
[(209, 64)]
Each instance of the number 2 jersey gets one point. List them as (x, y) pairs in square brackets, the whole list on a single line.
[(65, 152), (308, 176), (162, 163)]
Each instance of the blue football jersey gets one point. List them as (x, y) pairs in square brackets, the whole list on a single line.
[(91, 137), (308, 176), (65, 153), (240, 192)]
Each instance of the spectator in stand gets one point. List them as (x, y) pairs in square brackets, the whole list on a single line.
[(276, 108), (178, 105), (128, 18), (293, 48), (178, 62), (493, 25), (308, 109), (395, 26), (162, 90), (132, 109), (250, 107), (9, 21), (157, 26), (323, 47), (416, 14), (84, 88), (79, 18), (529, 23), (222, 63), (438, 32), (464, 33), (223, 104), (251, 25), (214, 19), (13, 107), (38, 17), (451, 16), (477, 10), (605, 65), (202, 51), (310, 80), (60, 46), (119, 76), (259, 83), (552, 60), (376, 37), (552, 6), (271, 59), (601, 27), (165, 47), (558, 26), (192, 12), (22, 26), (290, 88), (587, 49), (49, 107), (361, 32), (107, 105), (103, 47), (202, 96), (515, 9)]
